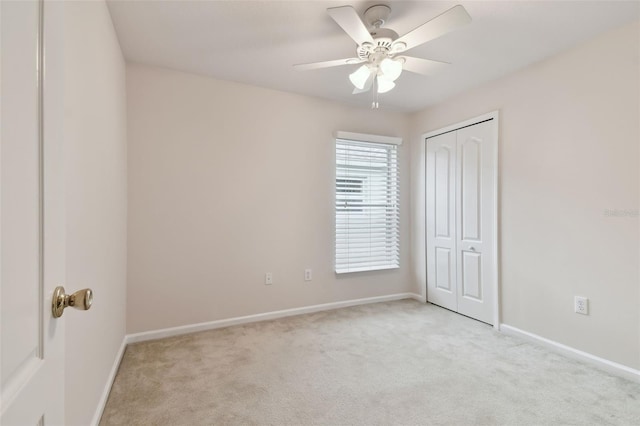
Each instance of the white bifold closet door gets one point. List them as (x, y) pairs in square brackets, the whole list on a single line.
[(460, 204)]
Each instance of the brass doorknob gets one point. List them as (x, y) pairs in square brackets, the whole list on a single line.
[(81, 299)]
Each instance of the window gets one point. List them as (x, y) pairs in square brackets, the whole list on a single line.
[(367, 215)]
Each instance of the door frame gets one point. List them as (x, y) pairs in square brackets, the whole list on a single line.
[(495, 116)]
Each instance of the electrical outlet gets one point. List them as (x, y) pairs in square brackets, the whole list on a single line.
[(268, 278), (581, 305), (308, 274)]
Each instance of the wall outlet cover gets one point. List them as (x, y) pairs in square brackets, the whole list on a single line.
[(581, 305)]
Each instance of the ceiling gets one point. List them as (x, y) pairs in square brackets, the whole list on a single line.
[(257, 42)]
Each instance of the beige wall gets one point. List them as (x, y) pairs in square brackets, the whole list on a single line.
[(569, 150), (229, 181), (95, 157)]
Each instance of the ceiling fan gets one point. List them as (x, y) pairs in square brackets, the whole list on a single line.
[(380, 50)]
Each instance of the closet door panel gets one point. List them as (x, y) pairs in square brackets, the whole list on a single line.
[(474, 220), (471, 279), (471, 191), (444, 269), (441, 221)]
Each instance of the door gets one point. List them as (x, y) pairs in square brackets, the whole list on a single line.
[(460, 214), (474, 219), (31, 213), (442, 267)]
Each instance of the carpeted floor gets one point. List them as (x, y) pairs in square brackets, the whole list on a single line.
[(395, 363)]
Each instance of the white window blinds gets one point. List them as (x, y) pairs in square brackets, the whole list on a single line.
[(367, 215)]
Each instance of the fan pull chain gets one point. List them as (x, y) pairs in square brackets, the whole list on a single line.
[(374, 95)]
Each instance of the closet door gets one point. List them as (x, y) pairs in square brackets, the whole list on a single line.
[(441, 220), (475, 198)]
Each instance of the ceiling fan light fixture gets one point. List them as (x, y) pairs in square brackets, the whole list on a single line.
[(379, 47), (384, 85), (360, 76), (391, 69)]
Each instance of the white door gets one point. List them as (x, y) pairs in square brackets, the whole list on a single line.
[(461, 195), (475, 201), (441, 221), (31, 213)]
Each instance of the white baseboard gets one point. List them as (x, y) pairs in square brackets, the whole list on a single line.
[(604, 364), (107, 387), (192, 328), (419, 297)]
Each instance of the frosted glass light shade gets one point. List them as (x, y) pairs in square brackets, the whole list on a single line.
[(384, 85), (360, 76), (391, 69)]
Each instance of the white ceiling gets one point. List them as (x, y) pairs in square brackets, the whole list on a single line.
[(257, 42)]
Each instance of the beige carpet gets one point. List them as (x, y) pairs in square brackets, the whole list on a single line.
[(396, 363)]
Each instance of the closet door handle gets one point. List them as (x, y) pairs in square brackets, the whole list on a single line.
[(472, 248)]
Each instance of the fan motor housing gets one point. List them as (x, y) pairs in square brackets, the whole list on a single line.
[(383, 39)]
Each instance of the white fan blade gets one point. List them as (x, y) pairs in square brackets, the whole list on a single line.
[(348, 19), (448, 21), (422, 66), (327, 64), (367, 85)]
